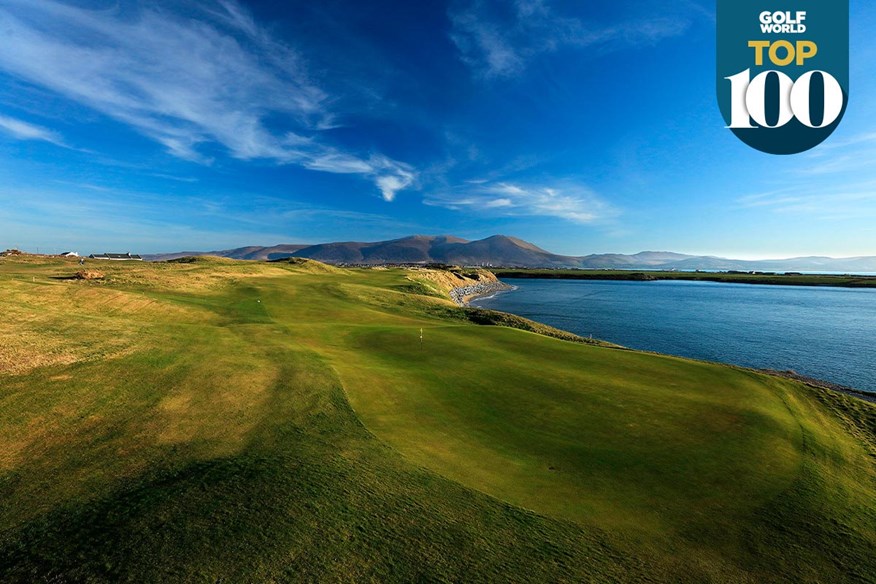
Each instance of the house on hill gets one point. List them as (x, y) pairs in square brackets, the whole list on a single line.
[(70, 254), (116, 256)]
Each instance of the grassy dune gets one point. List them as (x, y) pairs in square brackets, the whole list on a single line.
[(226, 421)]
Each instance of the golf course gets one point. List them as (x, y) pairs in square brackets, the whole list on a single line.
[(212, 420)]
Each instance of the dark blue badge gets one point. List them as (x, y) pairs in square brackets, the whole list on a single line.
[(783, 71)]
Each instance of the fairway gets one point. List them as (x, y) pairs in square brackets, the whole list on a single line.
[(212, 420)]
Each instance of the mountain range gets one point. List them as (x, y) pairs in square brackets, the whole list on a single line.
[(504, 251)]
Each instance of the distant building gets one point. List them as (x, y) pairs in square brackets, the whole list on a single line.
[(116, 256), (70, 254)]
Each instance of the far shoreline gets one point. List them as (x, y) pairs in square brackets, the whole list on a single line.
[(732, 277), (864, 395)]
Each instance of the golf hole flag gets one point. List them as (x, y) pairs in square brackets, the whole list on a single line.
[(783, 71)]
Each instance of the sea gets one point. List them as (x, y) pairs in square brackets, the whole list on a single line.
[(825, 333)]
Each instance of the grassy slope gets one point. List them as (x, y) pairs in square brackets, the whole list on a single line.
[(193, 422)]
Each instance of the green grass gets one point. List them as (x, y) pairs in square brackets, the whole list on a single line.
[(243, 422), (842, 281)]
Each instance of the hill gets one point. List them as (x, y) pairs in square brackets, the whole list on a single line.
[(212, 420), (504, 251)]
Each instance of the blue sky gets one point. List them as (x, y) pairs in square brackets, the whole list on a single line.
[(583, 127)]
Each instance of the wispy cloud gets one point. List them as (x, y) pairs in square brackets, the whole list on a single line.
[(390, 176), (863, 138), (21, 130), (841, 156), (831, 202), (564, 200), (85, 218), (86, 222), (834, 182), (186, 83), (499, 39)]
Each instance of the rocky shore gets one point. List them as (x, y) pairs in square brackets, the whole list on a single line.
[(465, 294), (461, 285)]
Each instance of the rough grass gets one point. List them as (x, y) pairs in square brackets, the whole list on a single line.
[(495, 318), (49, 323), (307, 266), (89, 275), (221, 444)]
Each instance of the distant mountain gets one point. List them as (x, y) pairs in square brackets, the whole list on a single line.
[(504, 251), (498, 250), (645, 259), (252, 252)]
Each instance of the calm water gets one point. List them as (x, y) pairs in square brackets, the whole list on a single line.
[(826, 333)]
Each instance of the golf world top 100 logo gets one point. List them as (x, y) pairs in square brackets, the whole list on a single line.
[(783, 71)]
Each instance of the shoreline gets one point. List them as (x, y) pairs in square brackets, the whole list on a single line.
[(464, 295), (761, 278), (821, 384)]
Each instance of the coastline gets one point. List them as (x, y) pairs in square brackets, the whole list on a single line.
[(761, 278), (464, 295), (821, 384)]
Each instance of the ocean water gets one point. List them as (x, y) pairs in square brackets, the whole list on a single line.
[(826, 333)]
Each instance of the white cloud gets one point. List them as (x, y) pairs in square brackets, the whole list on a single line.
[(183, 82), (338, 163), (496, 42), (390, 176), (564, 200), (483, 46), (390, 185), (25, 131), (498, 204)]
